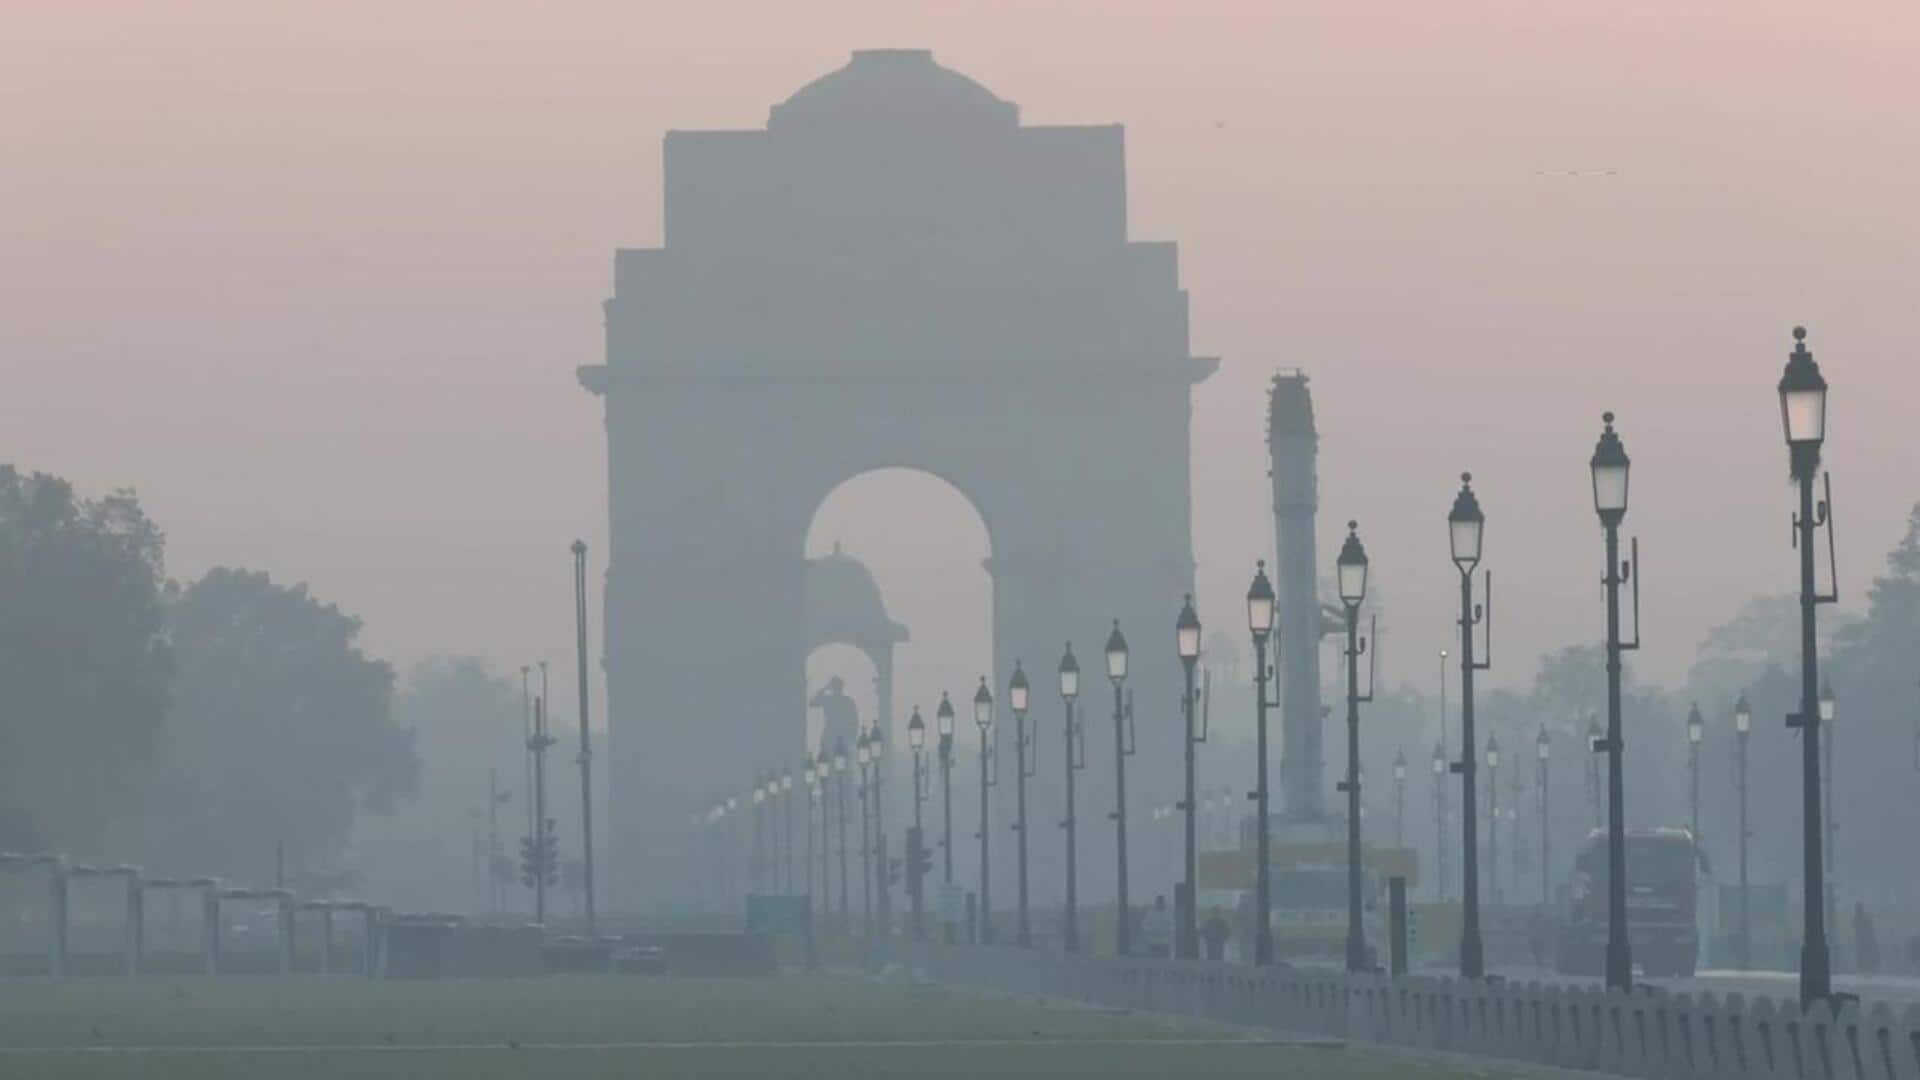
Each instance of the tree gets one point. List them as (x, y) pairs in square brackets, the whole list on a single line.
[(281, 731), (1876, 737), (466, 722), (83, 661)]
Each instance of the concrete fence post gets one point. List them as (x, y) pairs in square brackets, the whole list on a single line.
[(1685, 1058), (1633, 1024), (210, 929), (58, 920), (136, 924), (1892, 1044), (1769, 1039), (1710, 1047), (1844, 1047)]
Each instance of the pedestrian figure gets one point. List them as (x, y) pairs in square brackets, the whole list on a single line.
[(1157, 928), (1216, 932), (1866, 946)]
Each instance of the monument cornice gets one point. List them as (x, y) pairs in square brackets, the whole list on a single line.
[(599, 379)]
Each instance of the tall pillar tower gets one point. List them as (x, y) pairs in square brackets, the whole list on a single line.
[(1294, 446)]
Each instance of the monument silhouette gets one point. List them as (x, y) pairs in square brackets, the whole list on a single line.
[(895, 272)]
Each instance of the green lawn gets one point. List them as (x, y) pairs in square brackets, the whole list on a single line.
[(564, 1028)]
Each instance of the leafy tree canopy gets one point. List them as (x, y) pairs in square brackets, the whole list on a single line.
[(83, 659), (281, 730)]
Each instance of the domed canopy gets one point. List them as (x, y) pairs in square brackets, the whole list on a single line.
[(892, 86), (844, 605)]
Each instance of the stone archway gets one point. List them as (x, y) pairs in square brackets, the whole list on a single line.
[(895, 272)]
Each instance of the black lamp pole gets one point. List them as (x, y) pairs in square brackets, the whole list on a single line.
[(1493, 816), (1543, 748), (1187, 636), (1610, 467), (1466, 527), (1260, 623), (1832, 837), (808, 788), (943, 717), (917, 742), (1017, 691), (1440, 816), (1352, 573), (983, 719), (1742, 725), (1399, 799), (840, 767), (1123, 749), (1074, 760), (1803, 413), (863, 754), (586, 745), (882, 891), (823, 779), (1696, 730)]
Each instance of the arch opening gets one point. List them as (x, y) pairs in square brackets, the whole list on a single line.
[(925, 546)]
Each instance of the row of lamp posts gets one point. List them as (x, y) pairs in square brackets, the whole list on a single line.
[(1802, 393)]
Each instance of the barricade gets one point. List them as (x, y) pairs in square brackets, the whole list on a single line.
[(1646, 1033)]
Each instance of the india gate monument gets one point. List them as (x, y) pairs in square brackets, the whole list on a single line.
[(894, 273)]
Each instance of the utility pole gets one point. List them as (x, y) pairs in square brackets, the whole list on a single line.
[(586, 743), (543, 834)]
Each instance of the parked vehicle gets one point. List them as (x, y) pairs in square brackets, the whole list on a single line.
[(1663, 904)]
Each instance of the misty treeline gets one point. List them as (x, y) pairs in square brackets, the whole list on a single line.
[(192, 726)]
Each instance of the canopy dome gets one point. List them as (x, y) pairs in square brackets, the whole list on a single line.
[(844, 604), (892, 86)]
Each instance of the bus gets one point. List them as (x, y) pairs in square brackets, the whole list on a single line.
[(1663, 904)]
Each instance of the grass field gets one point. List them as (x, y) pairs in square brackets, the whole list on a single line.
[(567, 1028)]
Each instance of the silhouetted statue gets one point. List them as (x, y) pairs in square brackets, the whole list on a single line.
[(841, 715)]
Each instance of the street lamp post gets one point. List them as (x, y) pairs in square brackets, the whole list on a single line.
[(1593, 771), (917, 742), (1017, 700), (544, 841), (1439, 781), (943, 720), (808, 788), (1542, 749), (1187, 643), (585, 759), (1826, 786), (882, 890), (1352, 574), (759, 797), (1610, 466), (1260, 623), (1493, 816), (1075, 760), (1696, 730), (822, 779), (1832, 838), (983, 719), (1466, 532), (1803, 413), (1742, 724), (1440, 815), (863, 756), (840, 767), (1399, 798), (786, 818), (1123, 748)]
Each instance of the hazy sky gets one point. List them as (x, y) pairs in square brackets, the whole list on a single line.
[(314, 277)]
